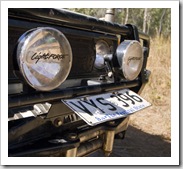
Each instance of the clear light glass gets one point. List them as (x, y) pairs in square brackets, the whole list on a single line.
[(130, 58), (45, 58), (102, 49), (99, 61)]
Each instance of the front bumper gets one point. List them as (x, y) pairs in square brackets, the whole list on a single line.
[(76, 143), (60, 132)]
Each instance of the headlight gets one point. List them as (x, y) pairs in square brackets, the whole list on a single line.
[(45, 58), (130, 58), (102, 49)]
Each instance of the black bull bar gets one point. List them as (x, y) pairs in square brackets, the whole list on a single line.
[(39, 97), (81, 144)]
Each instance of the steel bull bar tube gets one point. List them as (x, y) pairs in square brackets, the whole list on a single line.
[(68, 18), (89, 147), (106, 145), (89, 140), (28, 99)]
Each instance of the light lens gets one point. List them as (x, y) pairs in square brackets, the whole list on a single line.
[(45, 58), (130, 58), (102, 49), (99, 61)]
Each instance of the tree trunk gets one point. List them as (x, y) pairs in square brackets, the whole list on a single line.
[(145, 20), (161, 21), (126, 18), (148, 26)]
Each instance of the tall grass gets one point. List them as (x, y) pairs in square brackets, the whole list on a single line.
[(159, 63), (156, 119)]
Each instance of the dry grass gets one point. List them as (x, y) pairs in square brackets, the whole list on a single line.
[(157, 118), (159, 63)]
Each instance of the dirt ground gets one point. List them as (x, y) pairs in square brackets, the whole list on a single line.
[(148, 135), (139, 144)]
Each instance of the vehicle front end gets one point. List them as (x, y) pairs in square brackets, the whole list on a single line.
[(73, 81)]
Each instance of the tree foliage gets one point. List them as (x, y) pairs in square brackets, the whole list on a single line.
[(154, 21)]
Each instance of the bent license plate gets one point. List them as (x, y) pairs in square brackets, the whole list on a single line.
[(105, 107)]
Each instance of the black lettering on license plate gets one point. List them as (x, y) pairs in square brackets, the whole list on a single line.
[(124, 99)]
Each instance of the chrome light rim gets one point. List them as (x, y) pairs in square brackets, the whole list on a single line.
[(130, 58), (49, 53)]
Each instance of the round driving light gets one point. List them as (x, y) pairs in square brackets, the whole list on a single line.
[(130, 58), (45, 58), (102, 49)]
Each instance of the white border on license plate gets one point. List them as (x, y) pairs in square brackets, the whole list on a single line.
[(105, 107)]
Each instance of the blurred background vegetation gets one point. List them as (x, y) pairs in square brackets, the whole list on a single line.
[(156, 22)]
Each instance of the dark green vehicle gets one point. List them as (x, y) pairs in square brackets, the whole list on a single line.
[(73, 81)]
